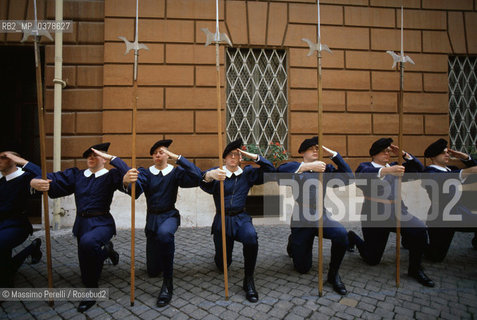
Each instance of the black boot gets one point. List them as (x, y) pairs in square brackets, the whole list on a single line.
[(249, 288), (112, 255), (335, 280), (289, 248), (421, 277), (165, 295), (351, 241), (474, 242), (85, 305), (36, 253)]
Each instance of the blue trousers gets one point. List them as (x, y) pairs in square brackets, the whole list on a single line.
[(247, 235), (10, 238), (414, 237), (91, 253), (440, 240), (301, 243), (413, 231), (160, 248)]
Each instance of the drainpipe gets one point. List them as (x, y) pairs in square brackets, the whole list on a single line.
[(59, 85)]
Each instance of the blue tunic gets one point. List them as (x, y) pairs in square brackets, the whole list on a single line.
[(238, 227), (441, 232), (236, 189), (386, 191), (338, 160), (444, 198), (93, 194), (13, 196), (343, 172), (14, 224), (161, 190)]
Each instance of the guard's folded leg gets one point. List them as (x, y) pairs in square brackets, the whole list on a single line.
[(93, 250), (248, 236), (218, 258), (166, 248), (153, 263), (301, 240), (440, 240)]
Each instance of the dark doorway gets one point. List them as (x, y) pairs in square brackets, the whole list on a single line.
[(19, 107)]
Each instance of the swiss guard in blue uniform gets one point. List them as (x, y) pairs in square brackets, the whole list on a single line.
[(441, 232), (94, 225), (376, 233), (160, 183), (238, 223), (14, 224), (303, 233)]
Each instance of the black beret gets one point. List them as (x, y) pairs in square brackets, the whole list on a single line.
[(101, 147), (435, 148), (161, 143), (237, 144), (12, 146), (379, 145), (308, 143)]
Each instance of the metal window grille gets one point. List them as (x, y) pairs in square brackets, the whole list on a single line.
[(463, 103), (257, 99)]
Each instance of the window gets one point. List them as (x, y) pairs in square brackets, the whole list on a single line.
[(462, 103), (257, 99)]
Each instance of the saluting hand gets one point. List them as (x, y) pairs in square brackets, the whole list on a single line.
[(40, 184), (458, 154), (18, 160), (328, 152), (102, 154), (130, 176), (171, 155), (248, 154), (395, 151)]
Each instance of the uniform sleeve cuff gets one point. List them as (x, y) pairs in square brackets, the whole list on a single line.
[(298, 170)]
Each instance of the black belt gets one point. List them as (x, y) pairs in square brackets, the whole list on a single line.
[(232, 213), (92, 213), (160, 211)]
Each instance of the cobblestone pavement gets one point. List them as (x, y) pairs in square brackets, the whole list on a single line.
[(284, 293)]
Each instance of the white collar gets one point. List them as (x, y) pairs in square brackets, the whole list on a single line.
[(87, 173), (13, 175), (229, 173), (445, 169), (164, 171), (377, 165)]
